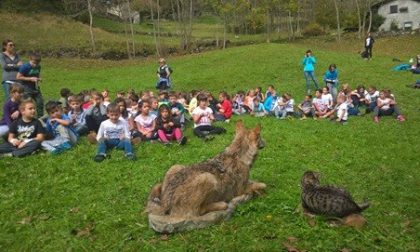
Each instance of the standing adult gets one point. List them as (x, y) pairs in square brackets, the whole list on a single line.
[(10, 63), (308, 63), (163, 73), (369, 41), (331, 80)]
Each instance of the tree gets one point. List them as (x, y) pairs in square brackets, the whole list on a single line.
[(337, 13), (92, 38)]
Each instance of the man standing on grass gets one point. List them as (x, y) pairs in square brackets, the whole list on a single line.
[(369, 45)]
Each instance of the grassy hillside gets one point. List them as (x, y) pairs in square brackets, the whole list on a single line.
[(69, 202)]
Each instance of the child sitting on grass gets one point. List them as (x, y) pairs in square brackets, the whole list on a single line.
[(65, 93), (177, 110), (95, 115), (25, 134), (113, 133), (386, 105), (167, 128), (224, 108), (342, 110), (306, 108), (202, 117), (320, 107), (145, 122), (258, 108), (284, 106), (77, 115), (238, 103), (11, 108), (58, 126)]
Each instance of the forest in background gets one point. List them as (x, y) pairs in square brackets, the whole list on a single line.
[(257, 20)]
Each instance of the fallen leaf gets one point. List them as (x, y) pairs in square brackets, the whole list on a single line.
[(25, 220), (292, 239), (406, 224), (43, 217), (354, 220), (86, 231), (74, 210), (290, 248), (312, 222)]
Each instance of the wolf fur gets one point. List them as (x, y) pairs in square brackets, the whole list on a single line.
[(194, 193)]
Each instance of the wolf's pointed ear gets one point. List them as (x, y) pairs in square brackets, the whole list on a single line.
[(239, 125), (257, 129)]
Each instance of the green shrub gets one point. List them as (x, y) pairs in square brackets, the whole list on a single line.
[(313, 29)]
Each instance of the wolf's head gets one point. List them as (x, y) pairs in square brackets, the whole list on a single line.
[(250, 137)]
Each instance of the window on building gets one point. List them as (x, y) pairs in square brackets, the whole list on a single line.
[(393, 9), (403, 9), (408, 25)]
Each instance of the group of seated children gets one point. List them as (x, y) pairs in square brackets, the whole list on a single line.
[(107, 124), (347, 102), (132, 118)]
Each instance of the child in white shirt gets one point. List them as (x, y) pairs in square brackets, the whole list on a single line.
[(203, 117), (113, 133)]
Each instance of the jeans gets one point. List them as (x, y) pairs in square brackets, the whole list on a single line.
[(4, 130), (380, 112), (165, 138), (29, 147), (204, 130), (163, 84), (120, 144), (36, 95), (369, 51), (6, 88), (333, 88), (311, 75)]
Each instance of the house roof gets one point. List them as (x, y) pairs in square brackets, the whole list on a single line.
[(388, 1)]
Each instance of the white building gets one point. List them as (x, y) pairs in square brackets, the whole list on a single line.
[(404, 13), (122, 11)]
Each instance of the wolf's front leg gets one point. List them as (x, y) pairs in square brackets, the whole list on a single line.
[(255, 188), (216, 206)]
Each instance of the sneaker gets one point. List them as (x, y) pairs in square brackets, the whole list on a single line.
[(99, 158), (65, 146), (91, 137), (227, 121), (208, 138), (182, 141), (167, 144), (376, 119), (401, 118), (56, 151), (130, 156), (9, 154)]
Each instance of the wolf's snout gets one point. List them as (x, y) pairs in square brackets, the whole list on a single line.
[(261, 144)]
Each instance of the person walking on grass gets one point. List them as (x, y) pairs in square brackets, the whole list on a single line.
[(10, 63), (308, 63)]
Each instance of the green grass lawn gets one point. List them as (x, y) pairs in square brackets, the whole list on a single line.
[(69, 202)]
